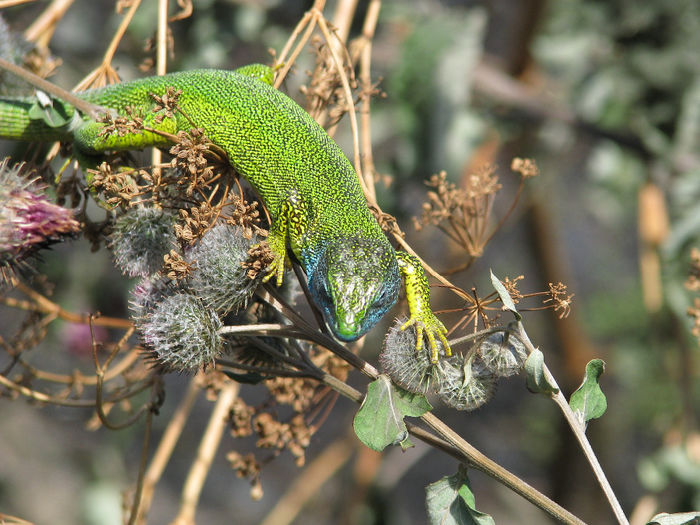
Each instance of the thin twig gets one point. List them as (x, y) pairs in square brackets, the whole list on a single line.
[(144, 455), (580, 434), (205, 454), (92, 110), (162, 455), (307, 484)]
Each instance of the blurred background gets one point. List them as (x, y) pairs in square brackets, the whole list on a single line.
[(603, 95)]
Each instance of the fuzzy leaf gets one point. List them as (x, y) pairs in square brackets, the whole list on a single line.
[(682, 518), (450, 501), (506, 299), (588, 401), (379, 422), (537, 381)]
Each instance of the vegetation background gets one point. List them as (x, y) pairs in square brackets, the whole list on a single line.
[(604, 95)]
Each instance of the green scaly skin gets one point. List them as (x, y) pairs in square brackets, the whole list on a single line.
[(308, 185)]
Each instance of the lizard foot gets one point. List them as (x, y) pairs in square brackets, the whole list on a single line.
[(279, 264), (432, 326)]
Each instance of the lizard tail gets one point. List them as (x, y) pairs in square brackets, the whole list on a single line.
[(25, 119)]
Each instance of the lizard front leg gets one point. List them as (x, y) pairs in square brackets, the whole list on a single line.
[(286, 230), (418, 298)]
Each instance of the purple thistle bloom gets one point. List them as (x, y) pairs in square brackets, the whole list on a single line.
[(28, 220)]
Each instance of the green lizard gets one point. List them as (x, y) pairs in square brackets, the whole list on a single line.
[(308, 185)]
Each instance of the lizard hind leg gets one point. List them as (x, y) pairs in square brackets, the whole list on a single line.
[(260, 71)]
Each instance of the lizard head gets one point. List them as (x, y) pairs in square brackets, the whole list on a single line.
[(355, 282)]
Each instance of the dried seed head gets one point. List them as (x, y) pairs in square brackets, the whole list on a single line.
[(140, 240), (182, 333), (465, 382), (407, 367), (218, 276), (503, 353), (146, 295)]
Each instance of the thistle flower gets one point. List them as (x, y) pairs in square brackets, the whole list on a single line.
[(182, 333), (28, 220), (141, 237), (218, 276)]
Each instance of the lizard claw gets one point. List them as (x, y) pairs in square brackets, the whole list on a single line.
[(431, 326), (276, 269)]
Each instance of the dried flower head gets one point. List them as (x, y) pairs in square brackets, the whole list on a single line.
[(190, 158), (692, 283), (182, 333), (559, 299), (526, 167), (140, 239), (462, 213), (503, 353), (218, 276), (463, 381), (466, 383)]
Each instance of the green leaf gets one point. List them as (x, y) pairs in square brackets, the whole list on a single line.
[(379, 422), (588, 401), (537, 380), (683, 518), (506, 299), (450, 501), (51, 111)]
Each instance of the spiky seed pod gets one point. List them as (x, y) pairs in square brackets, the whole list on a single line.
[(140, 239), (465, 383), (408, 368), (503, 353), (147, 294), (183, 333), (28, 220), (218, 276)]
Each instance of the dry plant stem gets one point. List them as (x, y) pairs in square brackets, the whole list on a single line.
[(11, 3), (142, 464), (105, 69), (342, 19), (43, 305), (78, 377), (99, 402), (308, 483), (52, 400), (42, 29), (308, 18), (44, 85), (348, 96), (205, 454), (580, 434), (162, 455), (368, 29), (457, 447), (161, 66)]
